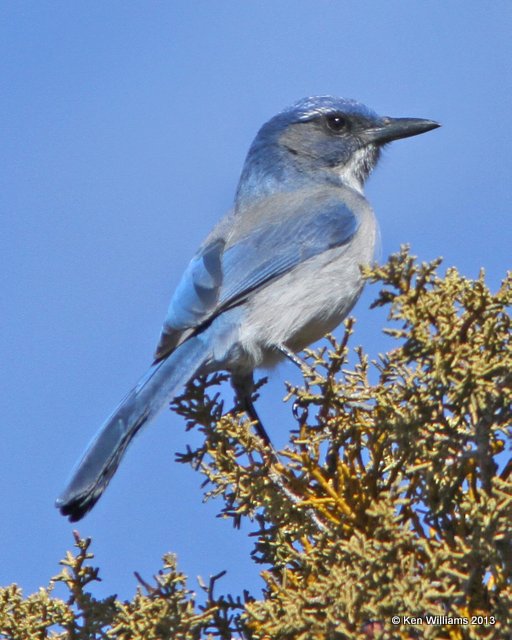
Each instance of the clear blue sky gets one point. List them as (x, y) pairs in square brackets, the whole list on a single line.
[(124, 126)]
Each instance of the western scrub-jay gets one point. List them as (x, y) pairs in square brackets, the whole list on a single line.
[(277, 273)]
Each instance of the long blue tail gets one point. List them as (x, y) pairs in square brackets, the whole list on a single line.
[(102, 457)]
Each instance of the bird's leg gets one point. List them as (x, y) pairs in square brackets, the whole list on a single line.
[(300, 412), (291, 355), (244, 386), (250, 410)]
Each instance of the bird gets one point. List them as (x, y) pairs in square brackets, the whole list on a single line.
[(279, 271)]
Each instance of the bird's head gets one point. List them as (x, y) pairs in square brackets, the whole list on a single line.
[(321, 138)]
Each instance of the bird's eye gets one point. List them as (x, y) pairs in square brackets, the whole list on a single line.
[(336, 123)]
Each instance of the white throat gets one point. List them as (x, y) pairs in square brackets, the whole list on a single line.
[(355, 171)]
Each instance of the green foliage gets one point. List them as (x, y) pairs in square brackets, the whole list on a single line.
[(162, 611), (393, 497)]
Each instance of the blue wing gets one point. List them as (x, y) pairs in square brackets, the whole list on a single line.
[(221, 275)]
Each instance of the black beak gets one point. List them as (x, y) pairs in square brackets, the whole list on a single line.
[(390, 129)]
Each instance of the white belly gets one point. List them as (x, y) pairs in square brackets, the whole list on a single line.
[(309, 301)]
